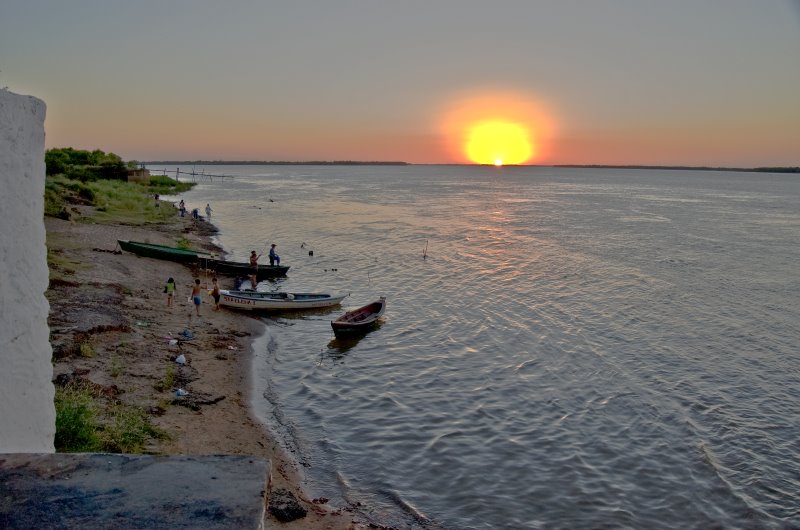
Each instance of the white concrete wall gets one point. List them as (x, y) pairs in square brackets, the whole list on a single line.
[(27, 414)]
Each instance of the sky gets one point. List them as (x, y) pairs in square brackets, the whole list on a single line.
[(630, 82)]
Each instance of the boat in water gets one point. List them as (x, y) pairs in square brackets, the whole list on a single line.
[(235, 268), (359, 320), (278, 301), (151, 250)]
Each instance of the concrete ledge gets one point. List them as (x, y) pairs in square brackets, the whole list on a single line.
[(132, 491)]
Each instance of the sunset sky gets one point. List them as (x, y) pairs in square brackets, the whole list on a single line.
[(680, 82)]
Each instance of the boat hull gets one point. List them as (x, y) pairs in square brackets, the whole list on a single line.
[(277, 301), (359, 320), (150, 250), (234, 268)]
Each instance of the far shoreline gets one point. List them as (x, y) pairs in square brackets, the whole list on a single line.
[(759, 169)]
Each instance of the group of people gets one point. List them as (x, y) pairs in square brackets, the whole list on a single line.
[(195, 211), (197, 291)]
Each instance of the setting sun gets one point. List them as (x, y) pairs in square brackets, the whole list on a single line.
[(498, 143), (497, 127)]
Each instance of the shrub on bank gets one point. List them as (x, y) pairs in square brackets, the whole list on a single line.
[(86, 424)]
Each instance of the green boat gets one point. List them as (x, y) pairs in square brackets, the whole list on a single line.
[(150, 250)]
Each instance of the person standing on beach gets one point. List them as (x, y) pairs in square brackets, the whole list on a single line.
[(169, 288), (274, 259), (215, 293), (196, 298), (254, 269), (208, 212), (182, 207)]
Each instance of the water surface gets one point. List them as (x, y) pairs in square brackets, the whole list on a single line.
[(579, 348)]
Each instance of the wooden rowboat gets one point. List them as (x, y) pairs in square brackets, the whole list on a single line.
[(150, 250), (235, 268), (278, 301), (361, 319)]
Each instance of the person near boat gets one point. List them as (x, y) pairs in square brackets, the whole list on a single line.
[(254, 268), (169, 289), (197, 289), (215, 293), (274, 259)]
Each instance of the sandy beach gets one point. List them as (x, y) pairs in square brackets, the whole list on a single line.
[(110, 326)]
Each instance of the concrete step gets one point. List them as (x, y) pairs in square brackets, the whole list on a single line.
[(132, 491)]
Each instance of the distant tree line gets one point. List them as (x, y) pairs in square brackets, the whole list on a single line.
[(691, 168), (83, 165)]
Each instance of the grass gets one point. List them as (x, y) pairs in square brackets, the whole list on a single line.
[(117, 366), (127, 430), (87, 350), (168, 381), (168, 186), (115, 201), (86, 424), (183, 243), (76, 421)]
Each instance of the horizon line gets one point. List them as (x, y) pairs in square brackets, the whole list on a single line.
[(773, 169)]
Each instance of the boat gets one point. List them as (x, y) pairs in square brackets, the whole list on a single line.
[(359, 320), (150, 250), (277, 301), (235, 268)]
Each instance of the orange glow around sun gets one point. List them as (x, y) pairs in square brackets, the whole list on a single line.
[(496, 128)]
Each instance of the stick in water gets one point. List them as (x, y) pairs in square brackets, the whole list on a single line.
[(425, 252)]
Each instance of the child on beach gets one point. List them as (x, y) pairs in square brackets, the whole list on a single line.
[(196, 298), (215, 293), (169, 288)]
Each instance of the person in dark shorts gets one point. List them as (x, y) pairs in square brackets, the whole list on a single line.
[(215, 293)]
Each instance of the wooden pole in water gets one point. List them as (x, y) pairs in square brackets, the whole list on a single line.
[(425, 252)]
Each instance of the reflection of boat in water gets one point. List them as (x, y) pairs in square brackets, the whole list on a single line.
[(359, 320), (278, 301)]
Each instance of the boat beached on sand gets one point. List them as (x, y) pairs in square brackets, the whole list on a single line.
[(205, 260), (150, 250), (278, 301), (359, 320)]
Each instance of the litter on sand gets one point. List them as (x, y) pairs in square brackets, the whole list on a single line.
[(180, 359)]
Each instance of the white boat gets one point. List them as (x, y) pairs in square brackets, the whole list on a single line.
[(278, 301)]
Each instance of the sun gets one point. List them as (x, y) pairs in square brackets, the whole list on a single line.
[(497, 127), (498, 143)]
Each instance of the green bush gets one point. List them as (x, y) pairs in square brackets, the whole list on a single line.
[(84, 425), (164, 185), (76, 421), (54, 202)]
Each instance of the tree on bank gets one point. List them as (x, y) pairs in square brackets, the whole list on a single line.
[(86, 165)]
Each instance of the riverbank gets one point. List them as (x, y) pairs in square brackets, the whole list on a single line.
[(112, 331)]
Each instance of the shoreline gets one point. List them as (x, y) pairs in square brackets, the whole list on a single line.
[(111, 329)]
